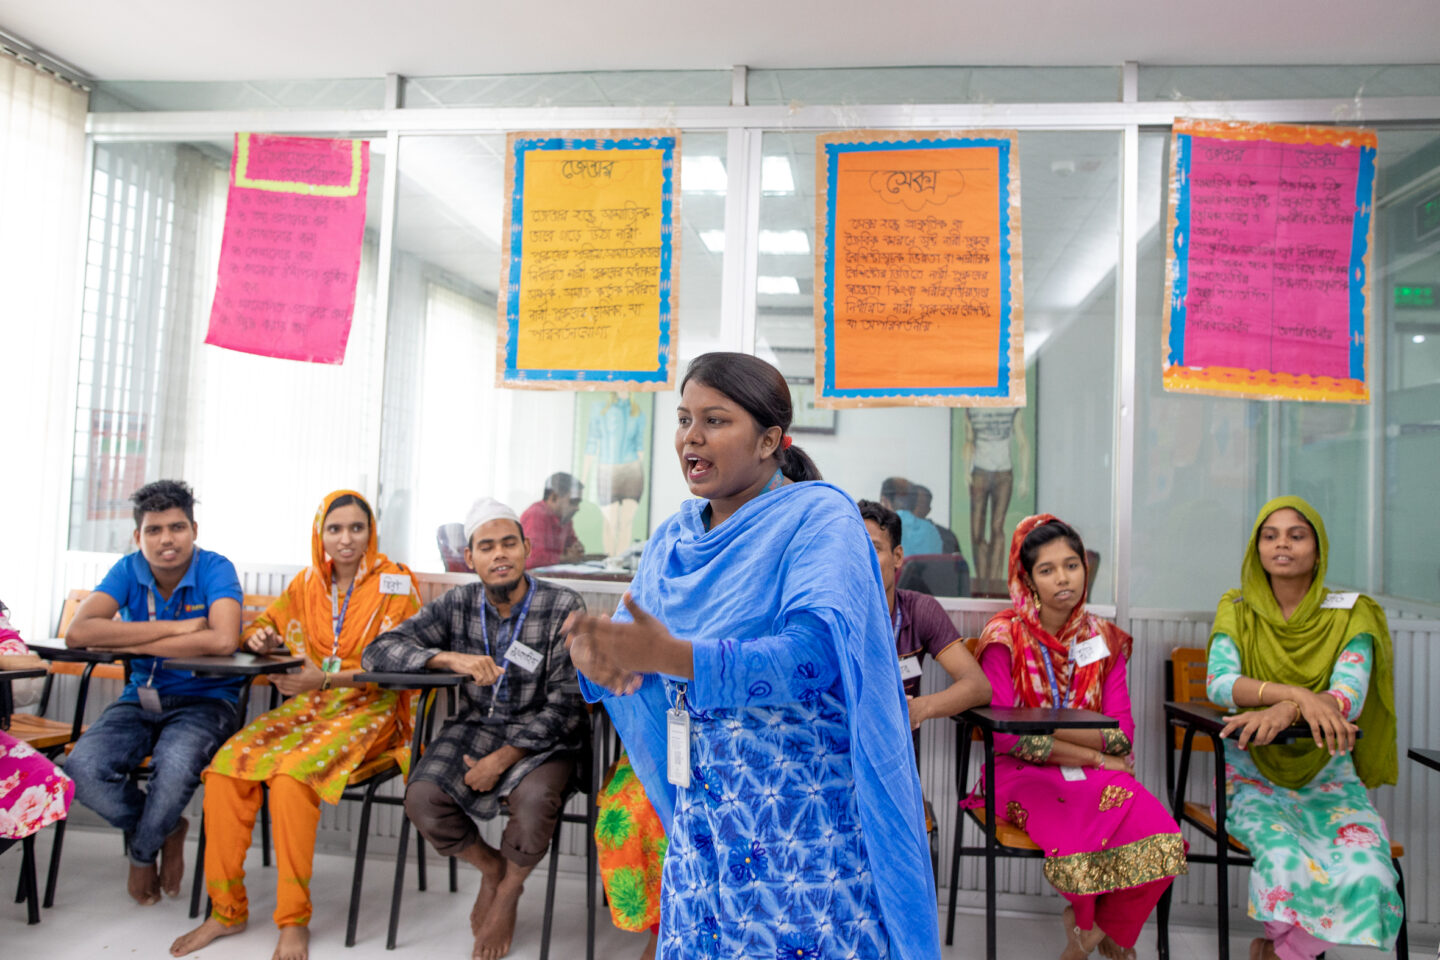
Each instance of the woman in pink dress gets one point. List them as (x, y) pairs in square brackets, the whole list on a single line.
[(1111, 848), (33, 793)]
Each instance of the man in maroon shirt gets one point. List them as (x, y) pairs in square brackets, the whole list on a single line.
[(921, 626), (547, 523)]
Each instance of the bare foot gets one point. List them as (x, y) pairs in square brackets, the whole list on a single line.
[(294, 944), (1113, 951), (492, 870), (172, 860), (649, 953), (1262, 949), (203, 935), (493, 940), (144, 885), (1079, 944)]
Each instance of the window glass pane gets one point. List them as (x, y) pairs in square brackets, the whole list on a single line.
[(1287, 83), (1204, 465), (1070, 238), (365, 93), (248, 433), (621, 88), (934, 85), (450, 435)]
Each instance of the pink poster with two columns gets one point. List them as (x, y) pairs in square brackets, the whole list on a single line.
[(290, 254)]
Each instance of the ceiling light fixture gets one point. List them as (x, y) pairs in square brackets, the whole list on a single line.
[(776, 176), (777, 285), (702, 174), (784, 241)]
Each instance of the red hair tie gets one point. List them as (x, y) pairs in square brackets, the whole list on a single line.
[(785, 443)]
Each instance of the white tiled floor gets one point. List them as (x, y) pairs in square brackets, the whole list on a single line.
[(93, 918)]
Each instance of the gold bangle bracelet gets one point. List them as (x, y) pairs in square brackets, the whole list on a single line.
[(1294, 704), (1260, 696)]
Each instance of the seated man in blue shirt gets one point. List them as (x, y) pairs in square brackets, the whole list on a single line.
[(918, 536), (177, 600)]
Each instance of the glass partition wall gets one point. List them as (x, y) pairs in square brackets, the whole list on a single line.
[(1162, 486)]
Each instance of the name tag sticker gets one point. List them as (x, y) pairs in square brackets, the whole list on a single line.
[(394, 583), (1335, 600), (1072, 773), (525, 657), (910, 668), (677, 748), (1089, 651)]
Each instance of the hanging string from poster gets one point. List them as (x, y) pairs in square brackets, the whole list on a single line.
[(1269, 233), (918, 270), (587, 297), (290, 253)]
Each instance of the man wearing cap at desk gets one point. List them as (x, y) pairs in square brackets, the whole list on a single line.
[(520, 724), (177, 601)]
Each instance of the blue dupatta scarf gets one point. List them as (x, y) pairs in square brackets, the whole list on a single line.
[(800, 548)]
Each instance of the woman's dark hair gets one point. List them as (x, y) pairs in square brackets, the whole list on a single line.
[(346, 501), (763, 393), (1049, 532)]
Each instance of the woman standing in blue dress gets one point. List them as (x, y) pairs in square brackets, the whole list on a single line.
[(751, 673)]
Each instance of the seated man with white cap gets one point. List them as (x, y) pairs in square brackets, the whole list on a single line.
[(520, 726)]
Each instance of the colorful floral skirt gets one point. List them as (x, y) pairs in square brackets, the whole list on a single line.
[(33, 793), (631, 842), (1322, 853)]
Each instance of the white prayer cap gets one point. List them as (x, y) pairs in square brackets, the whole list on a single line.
[(484, 510)]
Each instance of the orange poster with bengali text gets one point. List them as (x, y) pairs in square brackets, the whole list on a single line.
[(918, 270)]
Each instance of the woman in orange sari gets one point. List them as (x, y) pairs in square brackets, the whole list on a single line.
[(306, 750)]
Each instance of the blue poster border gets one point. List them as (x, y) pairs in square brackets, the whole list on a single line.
[(1001, 387), (660, 373)]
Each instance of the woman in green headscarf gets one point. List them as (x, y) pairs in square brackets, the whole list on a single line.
[(1285, 649)]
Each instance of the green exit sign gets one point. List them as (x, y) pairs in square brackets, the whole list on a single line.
[(1427, 216), (1415, 296)]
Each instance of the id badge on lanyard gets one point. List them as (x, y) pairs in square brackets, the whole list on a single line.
[(149, 696), (677, 741)]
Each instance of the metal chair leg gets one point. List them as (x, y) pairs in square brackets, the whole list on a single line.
[(28, 883), (399, 888), (360, 846), (1402, 941), (550, 892), (198, 883), (454, 873), (1162, 924), (264, 823), (420, 863), (52, 876)]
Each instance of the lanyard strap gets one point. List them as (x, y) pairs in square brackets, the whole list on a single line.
[(337, 613), (898, 621), (150, 609), (1054, 687), (514, 633)]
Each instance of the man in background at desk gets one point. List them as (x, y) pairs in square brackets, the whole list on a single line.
[(548, 523), (178, 601), (520, 725)]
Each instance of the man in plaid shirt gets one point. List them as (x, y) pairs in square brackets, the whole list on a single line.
[(520, 726)]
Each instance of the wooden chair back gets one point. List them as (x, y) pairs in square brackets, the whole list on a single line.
[(1185, 683), (253, 605), (67, 612)]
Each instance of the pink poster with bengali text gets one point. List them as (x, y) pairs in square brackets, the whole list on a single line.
[(290, 255), (1269, 229)]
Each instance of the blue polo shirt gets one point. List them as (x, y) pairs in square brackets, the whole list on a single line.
[(210, 577)]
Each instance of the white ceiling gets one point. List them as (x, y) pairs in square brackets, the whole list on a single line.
[(292, 39)]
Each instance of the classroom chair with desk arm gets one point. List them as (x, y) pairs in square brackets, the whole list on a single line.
[(1188, 714), (1002, 838)]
